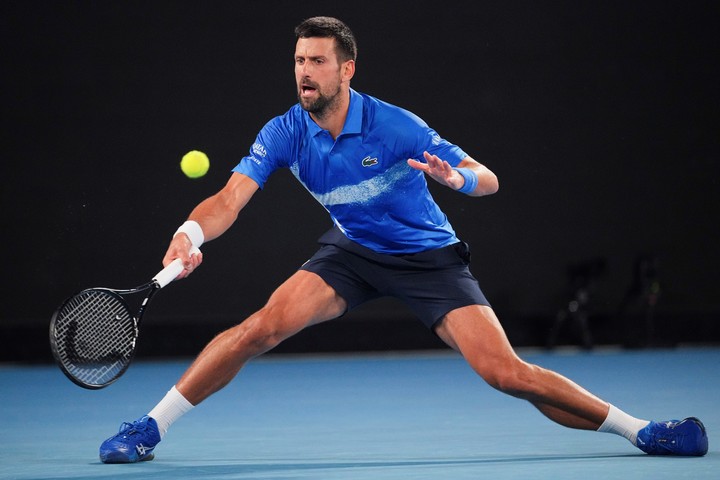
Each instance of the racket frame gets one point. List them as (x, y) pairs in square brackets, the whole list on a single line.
[(160, 280), (62, 361)]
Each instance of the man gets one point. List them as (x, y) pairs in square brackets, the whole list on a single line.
[(366, 161)]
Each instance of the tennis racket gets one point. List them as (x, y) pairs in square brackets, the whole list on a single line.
[(93, 334)]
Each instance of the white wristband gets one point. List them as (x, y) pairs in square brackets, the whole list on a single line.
[(192, 229)]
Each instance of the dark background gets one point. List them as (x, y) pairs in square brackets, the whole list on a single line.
[(599, 118)]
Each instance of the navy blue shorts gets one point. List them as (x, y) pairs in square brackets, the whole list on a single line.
[(431, 283)]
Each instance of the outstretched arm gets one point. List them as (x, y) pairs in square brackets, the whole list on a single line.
[(441, 171), (214, 216)]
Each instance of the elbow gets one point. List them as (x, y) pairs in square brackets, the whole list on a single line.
[(495, 186), (491, 186)]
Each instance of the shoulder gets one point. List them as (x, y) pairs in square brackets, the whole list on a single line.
[(398, 128), (381, 111), (290, 122), (278, 138), (280, 133)]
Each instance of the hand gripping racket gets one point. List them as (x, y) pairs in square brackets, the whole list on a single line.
[(94, 333)]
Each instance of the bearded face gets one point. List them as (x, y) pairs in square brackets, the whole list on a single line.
[(317, 75)]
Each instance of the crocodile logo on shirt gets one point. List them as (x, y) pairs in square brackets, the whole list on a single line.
[(369, 162)]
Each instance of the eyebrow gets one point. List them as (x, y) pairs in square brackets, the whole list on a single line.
[(311, 57)]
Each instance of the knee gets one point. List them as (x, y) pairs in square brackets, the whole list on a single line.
[(261, 332), (516, 378)]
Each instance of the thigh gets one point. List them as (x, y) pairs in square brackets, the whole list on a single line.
[(477, 334), (432, 294), (347, 274), (302, 300)]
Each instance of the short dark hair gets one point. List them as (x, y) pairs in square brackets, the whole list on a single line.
[(329, 27)]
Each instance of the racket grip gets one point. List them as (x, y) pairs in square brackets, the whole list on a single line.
[(169, 273)]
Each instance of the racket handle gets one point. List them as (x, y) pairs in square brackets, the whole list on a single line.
[(169, 273)]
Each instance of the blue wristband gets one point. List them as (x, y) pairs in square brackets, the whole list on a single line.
[(471, 180)]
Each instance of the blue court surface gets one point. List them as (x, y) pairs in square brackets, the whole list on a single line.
[(402, 416)]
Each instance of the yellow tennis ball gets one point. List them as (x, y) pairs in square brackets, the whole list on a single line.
[(195, 164)]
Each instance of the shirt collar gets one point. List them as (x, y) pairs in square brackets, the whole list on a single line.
[(353, 121)]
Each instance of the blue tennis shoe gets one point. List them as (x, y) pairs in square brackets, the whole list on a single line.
[(134, 442), (685, 437)]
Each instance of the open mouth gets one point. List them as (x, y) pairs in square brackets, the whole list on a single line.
[(306, 89)]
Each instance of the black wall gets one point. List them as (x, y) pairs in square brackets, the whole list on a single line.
[(600, 119)]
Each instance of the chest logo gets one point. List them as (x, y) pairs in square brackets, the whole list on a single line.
[(369, 162)]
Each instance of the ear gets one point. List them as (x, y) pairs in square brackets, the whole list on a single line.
[(348, 70)]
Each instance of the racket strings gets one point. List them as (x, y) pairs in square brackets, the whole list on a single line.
[(96, 336)]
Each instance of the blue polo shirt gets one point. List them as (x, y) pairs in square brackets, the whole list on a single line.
[(362, 178)]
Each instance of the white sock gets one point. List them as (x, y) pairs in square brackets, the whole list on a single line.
[(170, 408), (620, 423)]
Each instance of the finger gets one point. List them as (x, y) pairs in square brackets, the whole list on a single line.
[(447, 168), (417, 165), (437, 165), (432, 160), (196, 259)]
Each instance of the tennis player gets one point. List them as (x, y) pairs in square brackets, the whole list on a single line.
[(366, 162)]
